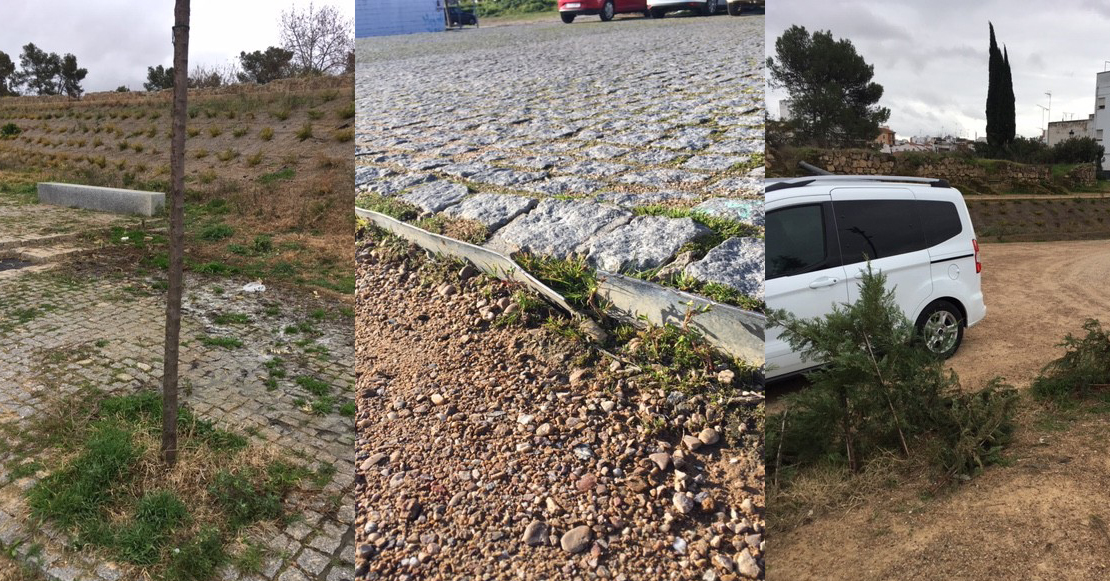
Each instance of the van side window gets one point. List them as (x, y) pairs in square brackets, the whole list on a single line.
[(940, 220), (795, 240), (873, 229)]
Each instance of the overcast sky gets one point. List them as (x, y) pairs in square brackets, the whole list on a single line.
[(116, 40), (931, 57)]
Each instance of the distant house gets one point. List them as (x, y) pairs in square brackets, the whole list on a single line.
[(389, 17), (885, 137), (909, 146)]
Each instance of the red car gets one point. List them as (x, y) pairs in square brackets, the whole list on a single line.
[(568, 9)]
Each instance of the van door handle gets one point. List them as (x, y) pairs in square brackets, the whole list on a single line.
[(824, 281)]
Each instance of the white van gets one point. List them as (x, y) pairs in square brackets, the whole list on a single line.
[(821, 230)]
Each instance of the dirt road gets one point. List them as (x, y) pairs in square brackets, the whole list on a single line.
[(1035, 293)]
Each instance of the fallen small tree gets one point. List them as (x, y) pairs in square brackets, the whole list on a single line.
[(880, 392)]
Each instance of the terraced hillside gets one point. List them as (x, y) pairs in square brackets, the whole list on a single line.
[(268, 168)]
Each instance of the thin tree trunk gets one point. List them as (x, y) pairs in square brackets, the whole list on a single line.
[(177, 230), (849, 442), (886, 392)]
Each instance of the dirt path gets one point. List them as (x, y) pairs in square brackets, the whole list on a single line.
[(1035, 294), (1045, 515)]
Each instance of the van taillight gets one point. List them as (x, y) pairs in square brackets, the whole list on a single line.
[(978, 265)]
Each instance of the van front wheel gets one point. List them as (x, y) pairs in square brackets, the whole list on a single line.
[(941, 327)]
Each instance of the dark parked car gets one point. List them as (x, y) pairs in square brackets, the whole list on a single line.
[(460, 16)]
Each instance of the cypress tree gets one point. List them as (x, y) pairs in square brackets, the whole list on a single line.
[(995, 130), (1009, 112)]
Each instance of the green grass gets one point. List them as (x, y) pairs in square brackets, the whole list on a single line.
[(101, 492), (225, 342), (232, 319), (571, 277), (391, 207), (314, 386), (283, 174), (216, 232)]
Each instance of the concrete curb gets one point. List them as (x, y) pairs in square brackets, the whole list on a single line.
[(734, 331), (113, 200)]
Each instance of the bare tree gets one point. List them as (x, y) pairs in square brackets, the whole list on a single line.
[(319, 38), (177, 231)]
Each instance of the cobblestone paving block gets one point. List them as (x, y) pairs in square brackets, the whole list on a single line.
[(69, 344), (508, 177), (436, 196), (557, 227), (751, 186), (644, 243), (564, 185), (493, 210), (662, 177), (746, 211), (737, 263), (713, 162)]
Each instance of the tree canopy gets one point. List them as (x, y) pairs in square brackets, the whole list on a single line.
[(834, 101), (262, 67), (7, 71), (320, 40), (158, 78)]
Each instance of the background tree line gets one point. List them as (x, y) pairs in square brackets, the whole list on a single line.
[(314, 41)]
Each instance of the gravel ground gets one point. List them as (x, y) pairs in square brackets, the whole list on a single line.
[(498, 452), (591, 120)]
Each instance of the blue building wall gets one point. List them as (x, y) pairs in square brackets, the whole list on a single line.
[(386, 17)]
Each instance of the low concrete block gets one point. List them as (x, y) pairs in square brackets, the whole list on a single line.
[(114, 200)]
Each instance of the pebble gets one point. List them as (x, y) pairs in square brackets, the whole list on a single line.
[(447, 289), (691, 442), (661, 459), (747, 566), (535, 534), (543, 430), (438, 399), (608, 405), (708, 436), (576, 540), (726, 377), (682, 503)]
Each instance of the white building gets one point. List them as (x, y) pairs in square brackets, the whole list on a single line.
[(1074, 129), (387, 17), (785, 111), (1100, 126)]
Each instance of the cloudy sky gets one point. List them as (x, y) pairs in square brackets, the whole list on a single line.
[(931, 57), (116, 40)]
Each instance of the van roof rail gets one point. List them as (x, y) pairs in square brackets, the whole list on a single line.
[(784, 183)]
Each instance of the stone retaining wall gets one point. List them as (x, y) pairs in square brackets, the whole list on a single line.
[(971, 174)]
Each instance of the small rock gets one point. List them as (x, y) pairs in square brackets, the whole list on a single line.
[(578, 375), (438, 399), (467, 272), (576, 540), (447, 290), (724, 563), (684, 504), (661, 459), (543, 430), (747, 566), (593, 330), (726, 377), (708, 436), (608, 405), (691, 442), (524, 419), (535, 534), (587, 482), (371, 462)]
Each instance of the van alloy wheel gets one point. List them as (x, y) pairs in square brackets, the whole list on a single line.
[(941, 328)]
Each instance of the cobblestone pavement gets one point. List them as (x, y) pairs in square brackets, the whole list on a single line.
[(22, 222), (557, 136), (60, 330)]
